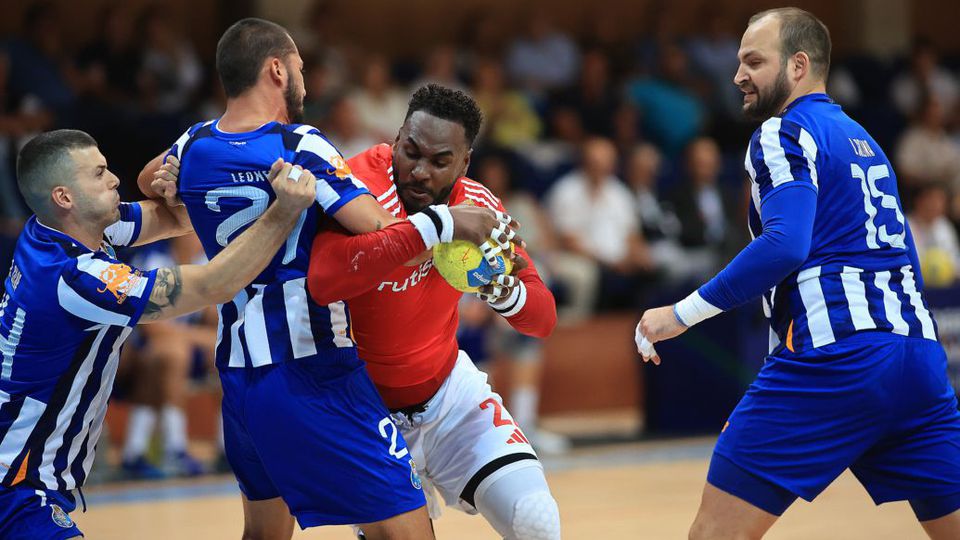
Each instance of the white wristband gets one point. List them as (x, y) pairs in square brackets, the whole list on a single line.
[(435, 224), (511, 305), (694, 309)]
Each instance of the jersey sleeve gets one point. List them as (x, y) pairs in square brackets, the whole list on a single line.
[(126, 230), (781, 153), (103, 290), (181, 143), (336, 185)]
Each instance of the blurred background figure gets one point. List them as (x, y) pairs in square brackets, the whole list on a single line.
[(595, 216), (659, 224), (934, 235), (342, 125), (509, 120), (544, 58), (379, 103), (171, 71), (924, 75), (158, 377), (926, 153)]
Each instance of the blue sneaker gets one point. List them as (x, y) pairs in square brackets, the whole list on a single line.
[(183, 464), (141, 469)]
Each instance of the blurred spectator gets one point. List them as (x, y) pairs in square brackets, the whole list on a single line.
[(508, 119), (322, 35), (669, 107), (595, 217), (544, 58), (171, 71), (925, 152), (925, 76), (379, 102), (523, 353), (482, 36), (593, 101), (343, 128), (934, 235), (160, 377), (440, 68), (109, 67), (714, 53), (37, 61), (658, 223), (701, 206)]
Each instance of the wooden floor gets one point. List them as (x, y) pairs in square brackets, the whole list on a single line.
[(611, 493)]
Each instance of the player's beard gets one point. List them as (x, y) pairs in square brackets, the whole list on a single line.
[(293, 99), (769, 102), (414, 206)]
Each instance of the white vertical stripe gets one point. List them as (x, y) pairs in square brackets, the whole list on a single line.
[(55, 441), (107, 385), (809, 148), (16, 437), (856, 295), (8, 345), (818, 318), (891, 304), (773, 154), (748, 163), (236, 348), (297, 307), (94, 412), (910, 288), (255, 330), (338, 324), (391, 202), (393, 189), (219, 327), (180, 142), (304, 129), (42, 495), (120, 233)]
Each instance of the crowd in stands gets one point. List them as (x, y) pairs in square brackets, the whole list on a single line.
[(622, 155)]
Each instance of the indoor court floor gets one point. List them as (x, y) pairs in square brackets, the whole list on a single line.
[(646, 490)]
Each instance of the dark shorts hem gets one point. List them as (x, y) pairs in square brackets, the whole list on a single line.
[(731, 478), (319, 519)]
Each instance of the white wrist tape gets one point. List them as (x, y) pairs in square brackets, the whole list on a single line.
[(435, 224), (512, 304), (694, 309)]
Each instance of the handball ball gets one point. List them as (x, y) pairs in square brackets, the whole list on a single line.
[(462, 264), (937, 267)]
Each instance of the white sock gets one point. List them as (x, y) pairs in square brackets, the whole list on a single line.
[(523, 406), (174, 426), (140, 426), (220, 444)]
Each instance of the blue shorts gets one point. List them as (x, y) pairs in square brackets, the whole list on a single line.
[(317, 434), (877, 403), (27, 513)]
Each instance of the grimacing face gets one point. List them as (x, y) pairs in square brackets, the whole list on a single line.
[(94, 187), (762, 74), (429, 155)]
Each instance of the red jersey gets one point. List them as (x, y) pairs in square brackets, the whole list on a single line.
[(405, 318)]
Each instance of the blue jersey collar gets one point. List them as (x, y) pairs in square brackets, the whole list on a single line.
[(215, 127), (818, 96)]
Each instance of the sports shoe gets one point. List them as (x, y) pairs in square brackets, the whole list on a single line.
[(183, 464), (139, 468)]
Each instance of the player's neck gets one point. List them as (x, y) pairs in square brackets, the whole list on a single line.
[(805, 88), (250, 111), (91, 236)]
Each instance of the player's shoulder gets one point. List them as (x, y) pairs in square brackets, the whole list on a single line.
[(374, 167), (309, 142), (470, 191)]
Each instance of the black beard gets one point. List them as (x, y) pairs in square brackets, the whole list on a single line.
[(294, 104), (412, 207), (769, 104)]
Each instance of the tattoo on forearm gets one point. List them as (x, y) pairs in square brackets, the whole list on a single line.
[(166, 291), (379, 225)]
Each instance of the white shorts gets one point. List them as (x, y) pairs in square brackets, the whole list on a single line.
[(464, 440)]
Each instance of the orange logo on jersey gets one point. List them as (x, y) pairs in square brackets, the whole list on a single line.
[(340, 168), (119, 279)]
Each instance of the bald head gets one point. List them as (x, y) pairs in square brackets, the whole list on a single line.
[(45, 162), (799, 31)]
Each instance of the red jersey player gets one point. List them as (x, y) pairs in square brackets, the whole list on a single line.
[(465, 444)]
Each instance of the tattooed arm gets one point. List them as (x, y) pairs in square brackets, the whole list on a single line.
[(182, 289)]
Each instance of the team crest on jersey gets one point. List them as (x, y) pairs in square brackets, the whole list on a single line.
[(414, 475), (340, 168), (119, 279), (61, 518)]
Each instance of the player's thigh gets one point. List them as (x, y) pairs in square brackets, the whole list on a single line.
[(412, 525), (269, 519), (722, 516), (317, 430), (943, 528), (468, 437)]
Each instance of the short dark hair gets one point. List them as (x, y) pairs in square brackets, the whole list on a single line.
[(448, 104), (45, 162), (243, 49), (801, 31)]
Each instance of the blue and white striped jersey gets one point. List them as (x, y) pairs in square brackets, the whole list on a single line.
[(858, 275), (223, 182), (64, 314)]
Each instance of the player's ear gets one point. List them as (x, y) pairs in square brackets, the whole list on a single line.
[(276, 68), (61, 197), (801, 65)]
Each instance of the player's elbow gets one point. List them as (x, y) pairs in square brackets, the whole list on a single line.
[(318, 287)]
